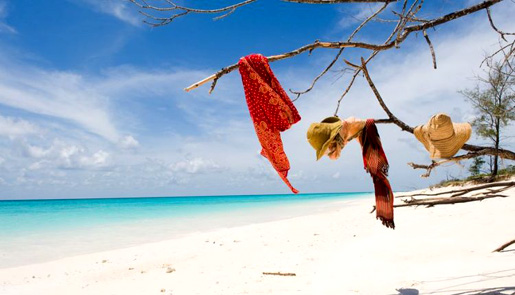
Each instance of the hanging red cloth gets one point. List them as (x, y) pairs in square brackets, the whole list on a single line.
[(376, 164), (270, 108)]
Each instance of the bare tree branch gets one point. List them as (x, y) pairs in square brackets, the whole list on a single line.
[(460, 192), (336, 1), (401, 32), (178, 11), (430, 202), (430, 48), (475, 151), (338, 45), (504, 246), (358, 69), (299, 93), (495, 28), (392, 117)]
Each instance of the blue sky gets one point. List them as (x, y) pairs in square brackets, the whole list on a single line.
[(91, 99)]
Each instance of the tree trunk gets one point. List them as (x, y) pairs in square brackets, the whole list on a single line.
[(496, 156)]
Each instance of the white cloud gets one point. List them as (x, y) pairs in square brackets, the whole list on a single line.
[(4, 27), (106, 105), (62, 155), (16, 127), (355, 14), (58, 94), (122, 10), (194, 166), (129, 142), (97, 160), (36, 151)]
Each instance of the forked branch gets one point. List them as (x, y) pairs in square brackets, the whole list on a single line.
[(402, 35), (178, 11)]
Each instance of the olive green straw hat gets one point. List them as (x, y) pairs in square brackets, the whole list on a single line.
[(441, 137), (321, 134)]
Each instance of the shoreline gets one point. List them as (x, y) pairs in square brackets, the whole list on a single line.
[(442, 250), (78, 239)]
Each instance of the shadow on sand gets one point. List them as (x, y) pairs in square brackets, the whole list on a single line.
[(465, 285), (485, 291)]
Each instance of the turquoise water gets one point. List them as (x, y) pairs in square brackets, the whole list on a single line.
[(34, 231)]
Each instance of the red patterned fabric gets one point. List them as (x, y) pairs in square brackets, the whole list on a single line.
[(270, 108), (376, 164)]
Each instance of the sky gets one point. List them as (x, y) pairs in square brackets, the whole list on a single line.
[(92, 102)]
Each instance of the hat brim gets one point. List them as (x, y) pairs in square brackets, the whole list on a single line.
[(448, 147), (335, 129), (444, 148)]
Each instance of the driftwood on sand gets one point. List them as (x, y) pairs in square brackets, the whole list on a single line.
[(286, 274), (504, 246), (457, 196)]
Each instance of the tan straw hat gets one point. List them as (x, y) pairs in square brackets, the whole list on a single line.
[(441, 137), (321, 134)]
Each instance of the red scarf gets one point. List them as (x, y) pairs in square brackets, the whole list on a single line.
[(270, 108), (376, 164)]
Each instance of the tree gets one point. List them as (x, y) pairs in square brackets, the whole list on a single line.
[(494, 102), (400, 24), (475, 168)]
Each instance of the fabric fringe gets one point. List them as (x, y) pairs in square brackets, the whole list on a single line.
[(375, 163)]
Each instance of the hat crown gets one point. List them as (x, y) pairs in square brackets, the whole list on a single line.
[(320, 134), (440, 127)]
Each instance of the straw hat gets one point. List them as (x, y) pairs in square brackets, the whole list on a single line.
[(441, 137), (320, 135)]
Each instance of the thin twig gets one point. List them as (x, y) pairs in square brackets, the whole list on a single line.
[(380, 99), (430, 48), (286, 274), (182, 11), (430, 202), (455, 159), (379, 47), (495, 28), (466, 190), (299, 93)]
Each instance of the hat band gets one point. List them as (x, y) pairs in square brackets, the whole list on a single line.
[(452, 135)]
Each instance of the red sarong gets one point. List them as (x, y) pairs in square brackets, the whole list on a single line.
[(376, 164), (270, 108)]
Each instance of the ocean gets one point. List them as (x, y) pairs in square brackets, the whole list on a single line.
[(34, 231)]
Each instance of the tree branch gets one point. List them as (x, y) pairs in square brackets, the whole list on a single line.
[(459, 192), (411, 11), (338, 45), (504, 246), (391, 116), (299, 93), (430, 202), (179, 11), (495, 28), (475, 151), (336, 1), (430, 48)]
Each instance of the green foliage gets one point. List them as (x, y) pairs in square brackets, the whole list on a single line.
[(503, 174), (493, 100), (475, 168), (510, 170)]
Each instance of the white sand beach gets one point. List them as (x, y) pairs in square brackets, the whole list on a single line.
[(444, 249)]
